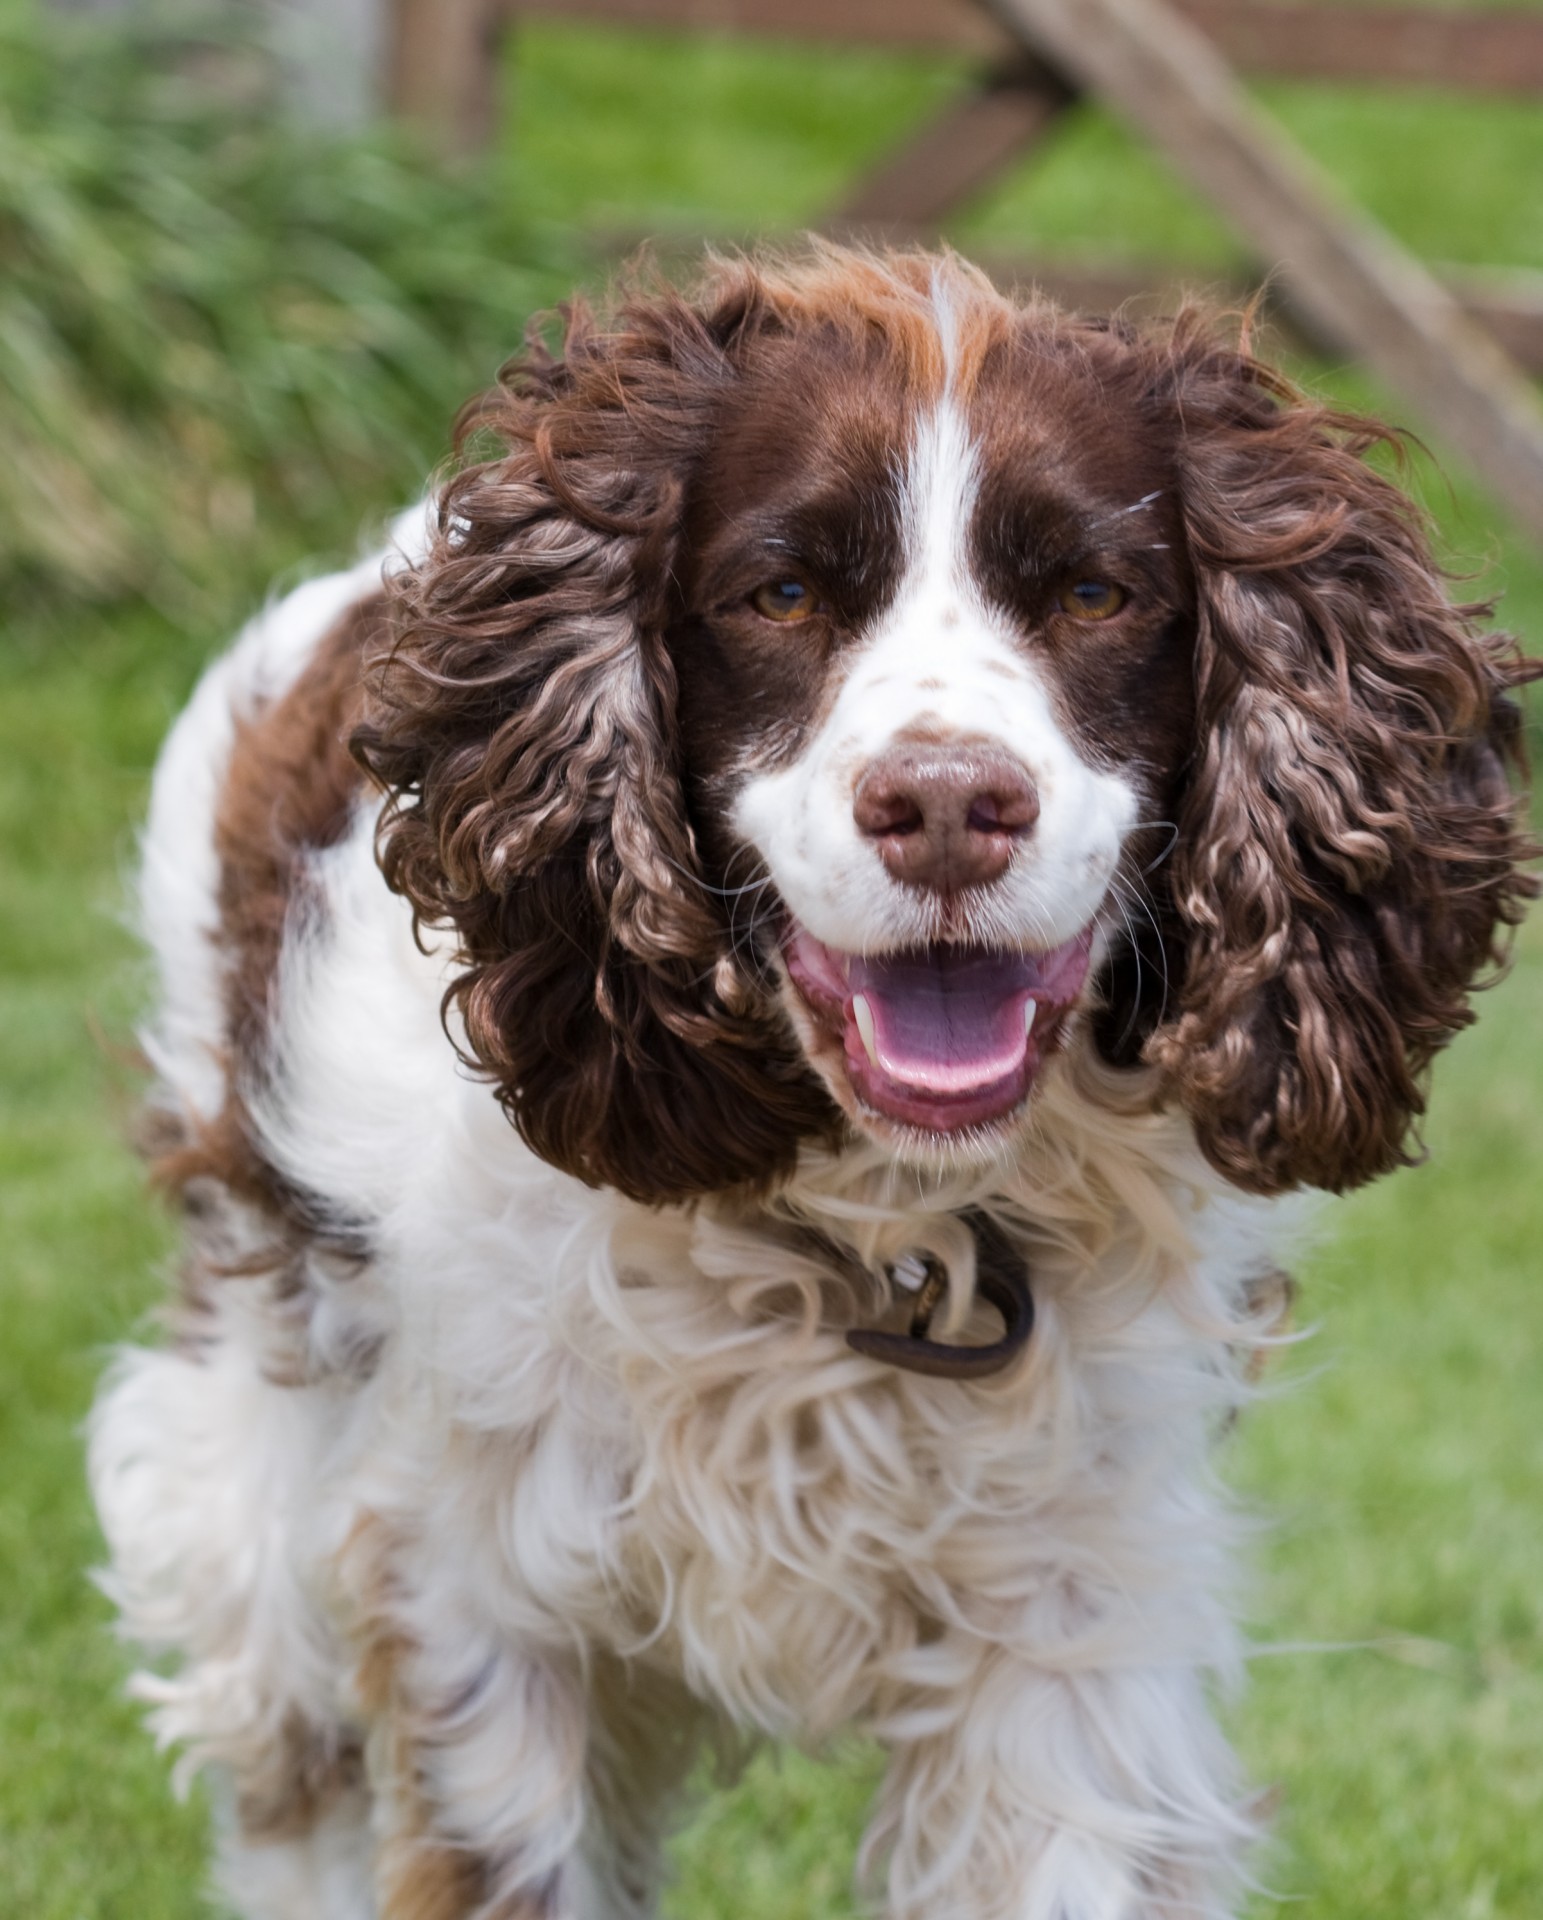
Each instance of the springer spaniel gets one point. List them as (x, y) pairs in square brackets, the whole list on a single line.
[(737, 1016)]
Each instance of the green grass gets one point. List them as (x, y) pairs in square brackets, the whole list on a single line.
[(628, 130), (1402, 1581), (85, 1827)]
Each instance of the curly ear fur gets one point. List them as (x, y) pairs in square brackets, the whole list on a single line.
[(1349, 842), (524, 726)]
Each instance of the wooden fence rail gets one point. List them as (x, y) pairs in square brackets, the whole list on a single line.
[(1499, 52)]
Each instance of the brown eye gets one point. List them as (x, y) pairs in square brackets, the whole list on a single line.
[(1092, 599), (785, 600)]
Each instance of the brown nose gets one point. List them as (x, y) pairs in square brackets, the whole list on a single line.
[(946, 816)]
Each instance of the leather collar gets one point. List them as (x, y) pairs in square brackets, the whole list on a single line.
[(1001, 1277)]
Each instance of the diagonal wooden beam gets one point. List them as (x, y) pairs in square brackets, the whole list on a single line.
[(1347, 279), (1509, 303), (1008, 111)]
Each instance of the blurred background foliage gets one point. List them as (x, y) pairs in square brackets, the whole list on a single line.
[(221, 333), (229, 347)]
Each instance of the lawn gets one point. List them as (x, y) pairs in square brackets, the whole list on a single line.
[(1397, 1701)]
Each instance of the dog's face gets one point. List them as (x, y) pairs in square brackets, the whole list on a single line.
[(850, 688), (935, 666)]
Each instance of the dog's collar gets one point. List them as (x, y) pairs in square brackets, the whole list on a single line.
[(1001, 1277)]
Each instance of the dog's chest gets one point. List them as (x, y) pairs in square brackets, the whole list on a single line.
[(796, 1530), (672, 1452), (795, 1537)]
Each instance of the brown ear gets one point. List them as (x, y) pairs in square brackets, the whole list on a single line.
[(524, 725), (1349, 841)]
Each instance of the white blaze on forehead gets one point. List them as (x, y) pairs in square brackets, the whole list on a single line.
[(940, 660), (941, 487), (942, 478)]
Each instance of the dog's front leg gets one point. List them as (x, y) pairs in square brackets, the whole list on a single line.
[(476, 1745), (1018, 1793)]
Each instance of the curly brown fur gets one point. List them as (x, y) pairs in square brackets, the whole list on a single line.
[(1349, 848), (526, 728)]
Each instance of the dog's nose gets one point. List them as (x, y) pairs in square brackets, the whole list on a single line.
[(945, 816)]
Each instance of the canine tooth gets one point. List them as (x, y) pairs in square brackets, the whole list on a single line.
[(1030, 1008), (862, 1013)]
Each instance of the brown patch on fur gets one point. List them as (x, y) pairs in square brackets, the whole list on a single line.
[(1077, 484), (302, 1780), (1270, 1300), (422, 1874), (422, 1879), (289, 788), (935, 314), (289, 791)]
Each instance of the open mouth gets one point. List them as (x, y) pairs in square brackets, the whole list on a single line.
[(941, 1037)]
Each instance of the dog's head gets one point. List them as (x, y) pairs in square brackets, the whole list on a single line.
[(843, 689)]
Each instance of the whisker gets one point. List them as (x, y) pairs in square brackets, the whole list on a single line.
[(721, 893), (1135, 950), (1128, 892), (1173, 840), (738, 893)]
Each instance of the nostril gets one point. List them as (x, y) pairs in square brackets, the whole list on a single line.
[(1011, 808), (882, 811)]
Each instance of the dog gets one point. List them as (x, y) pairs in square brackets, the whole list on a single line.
[(741, 1017)]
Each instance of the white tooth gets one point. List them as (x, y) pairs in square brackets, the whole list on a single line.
[(1030, 1008), (862, 1013)]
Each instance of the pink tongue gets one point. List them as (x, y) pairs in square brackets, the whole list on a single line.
[(948, 1020)]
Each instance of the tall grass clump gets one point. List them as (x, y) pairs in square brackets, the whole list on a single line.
[(223, 336)]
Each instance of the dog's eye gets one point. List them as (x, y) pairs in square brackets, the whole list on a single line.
[(785, 600), (1092, 599)]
